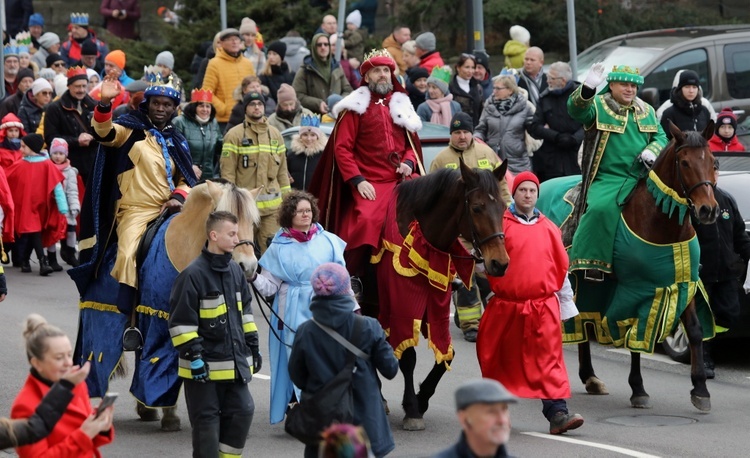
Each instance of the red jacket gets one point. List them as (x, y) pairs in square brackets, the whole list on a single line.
[(431, 60), (719, 144), (66, 439)]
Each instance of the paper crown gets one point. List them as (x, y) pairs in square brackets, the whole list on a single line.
[(201, 95), (442, 74), (23, 39), (81, 19), (10, 50), (510, 72), (310, 121), (625, 74), (76, 71), (157, 86)]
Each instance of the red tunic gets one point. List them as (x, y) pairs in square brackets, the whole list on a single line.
[(8, 157), (32, 185), (66, 439), (520, 341), (8, 206)]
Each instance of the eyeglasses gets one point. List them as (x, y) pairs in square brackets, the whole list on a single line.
[(304, 211), (554, 78), (498, 88), (44, 93), (58, 64), (322, 45)]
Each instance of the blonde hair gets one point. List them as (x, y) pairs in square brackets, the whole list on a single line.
[(508, 81), (36, 332)]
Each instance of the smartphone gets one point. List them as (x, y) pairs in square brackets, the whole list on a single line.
[(107, 400)]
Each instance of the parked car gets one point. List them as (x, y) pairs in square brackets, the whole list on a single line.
[(433, 138), (719, 54), (735, 179)]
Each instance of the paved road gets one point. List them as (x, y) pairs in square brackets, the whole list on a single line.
[(723, 432)]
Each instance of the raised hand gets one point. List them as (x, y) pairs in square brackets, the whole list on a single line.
[(110, 88), (595, 77)]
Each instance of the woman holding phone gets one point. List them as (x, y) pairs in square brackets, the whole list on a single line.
[(78, 432)]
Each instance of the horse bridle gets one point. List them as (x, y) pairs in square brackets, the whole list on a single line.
[(477, 253), (686, 191)]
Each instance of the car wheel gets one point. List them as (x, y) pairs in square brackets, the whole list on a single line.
[(676, 345)]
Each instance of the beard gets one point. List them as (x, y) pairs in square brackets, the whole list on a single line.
[(382, 88), (286, 114)]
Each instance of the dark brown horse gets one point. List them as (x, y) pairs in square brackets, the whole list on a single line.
[(685, 169), (414, 288)]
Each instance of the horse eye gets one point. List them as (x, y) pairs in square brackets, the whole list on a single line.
[(476, 209), (684, 163)]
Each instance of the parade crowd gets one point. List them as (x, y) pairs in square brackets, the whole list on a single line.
[(322, 202)]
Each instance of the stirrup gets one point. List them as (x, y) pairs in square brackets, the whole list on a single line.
[(132, 339), (593, 275)]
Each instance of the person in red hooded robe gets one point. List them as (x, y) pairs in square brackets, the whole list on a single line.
[(11, 131)]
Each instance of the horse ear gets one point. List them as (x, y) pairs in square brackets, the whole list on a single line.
[(256, 192), (467, 173), (212, 187), (708, 132), (501, 170), (676, 132)]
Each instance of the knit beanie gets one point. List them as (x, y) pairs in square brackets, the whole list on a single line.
[(286, 93), (688, 78), (426, 41), (117, 57), (440, 77), (36, 19), (520, 34), (59, 145), (355, 17), (25, 73), (35, 142), (330, 279), (462, 121), (248, 26), (483, 59), (39, 85), (250, 96), (47, 73), (48, 39), (416, 73), (279, 47), (89, 48), (521, 177), (726, 116), (165, 59), (52, 58)]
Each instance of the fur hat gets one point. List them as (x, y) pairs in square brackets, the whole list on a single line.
[(355, 17), (35, 142), (248, 26), (688, 78), (39, 85), (330, 279), (440, 77), (520, 34), (48, 39), (117, 57), (59, 145), (462, 121), (426, 41), (482, 391), (279, 47), (89, 48), (521, 177), (726, 116), (166, 59)]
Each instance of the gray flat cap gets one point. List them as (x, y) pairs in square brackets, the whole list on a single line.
[(484, 391)]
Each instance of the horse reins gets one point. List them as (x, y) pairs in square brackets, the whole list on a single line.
[(477, 254), (686, 191)]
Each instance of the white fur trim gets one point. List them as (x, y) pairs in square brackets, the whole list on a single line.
[(402, 111)]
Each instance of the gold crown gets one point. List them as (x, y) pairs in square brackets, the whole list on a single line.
[(378, 53)]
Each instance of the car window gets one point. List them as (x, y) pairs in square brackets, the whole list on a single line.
[(662, 76), (737, 63), (610, 55)]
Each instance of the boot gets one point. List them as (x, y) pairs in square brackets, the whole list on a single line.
[(25, 266), (52, 257), (44, 267), (68, 255)]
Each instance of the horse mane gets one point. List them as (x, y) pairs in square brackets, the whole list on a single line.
[(238, 201), (693, 139), (427, 191)]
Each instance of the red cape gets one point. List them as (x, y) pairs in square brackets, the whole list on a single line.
[(8, 206)]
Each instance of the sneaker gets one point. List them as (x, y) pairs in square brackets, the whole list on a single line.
[(563, 422), (470, 335)]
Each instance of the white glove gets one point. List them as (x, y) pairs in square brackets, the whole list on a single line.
[(478, 266), (746, 286), (595, 77), (648, 158)]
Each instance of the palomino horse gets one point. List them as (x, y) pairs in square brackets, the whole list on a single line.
[(420, 251), (178, 241), (655, 264)]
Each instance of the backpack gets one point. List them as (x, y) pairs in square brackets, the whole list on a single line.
[(334, 402)]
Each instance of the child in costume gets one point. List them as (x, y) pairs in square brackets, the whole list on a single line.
[(58, 153), (40, 202), (304, 152), (11, 131)]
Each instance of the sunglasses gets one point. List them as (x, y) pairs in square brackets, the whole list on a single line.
[(322, 45), (59, 64)]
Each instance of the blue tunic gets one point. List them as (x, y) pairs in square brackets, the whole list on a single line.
[(293, 263)]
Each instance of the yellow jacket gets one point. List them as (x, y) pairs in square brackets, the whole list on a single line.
[(223, 74)]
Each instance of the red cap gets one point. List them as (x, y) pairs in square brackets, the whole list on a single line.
[(520, 178)]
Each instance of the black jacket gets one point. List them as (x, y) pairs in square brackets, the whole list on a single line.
[(211, 317), (461, 450), (280, 74), (471, 103), (30, 114), (562, 135), (63, 120), (722, 242), (685, 115), (38, 426)]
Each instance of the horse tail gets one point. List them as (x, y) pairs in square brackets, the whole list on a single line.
[(121, 368)]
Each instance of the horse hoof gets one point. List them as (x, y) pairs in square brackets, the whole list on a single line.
[(701, 403), (146, 414), (595, 386), (413, 424), (170, 424), (640, 402)]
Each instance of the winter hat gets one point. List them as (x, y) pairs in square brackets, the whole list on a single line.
[(310, 123), (89, 48), (36, 19), (248, 26), (165, 59), (416, 73), (48, 39), (47, 73), (116, 57), (11, 120), (39, 85), (60, 83), (59, 145), (227, 33), (355, 17), (520, 34), (52, 58), (440, 77), (521, 177), (25, 73), (462, 121), (482, 391), (286, 93), (250, 96), (35, 142), (726, 116), (91, 72), (483, 59), (688, 78), (426, 41), (279, 47), (330, 279)]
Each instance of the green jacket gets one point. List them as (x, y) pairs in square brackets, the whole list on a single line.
[(312, 88), (203, 141)]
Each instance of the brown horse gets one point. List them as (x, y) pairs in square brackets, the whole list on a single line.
[(420, 252), (657, 215)]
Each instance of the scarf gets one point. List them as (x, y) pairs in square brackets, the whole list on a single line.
[(62, 166), (202, 120), (441, 110), (504, 105), (300, 236)]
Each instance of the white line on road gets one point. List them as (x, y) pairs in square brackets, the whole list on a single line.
[(262, 377), (611, 448), (654, 357)]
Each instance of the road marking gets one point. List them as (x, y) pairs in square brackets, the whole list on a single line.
[(262, 377), (611, 448), (655, 357)]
